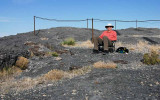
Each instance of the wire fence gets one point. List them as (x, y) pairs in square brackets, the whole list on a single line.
[(135, 22)]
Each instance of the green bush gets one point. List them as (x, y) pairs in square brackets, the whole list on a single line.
[(151, 58), (69, 41), (55, 54)]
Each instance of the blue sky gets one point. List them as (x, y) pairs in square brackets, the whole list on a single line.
[(16, 16)]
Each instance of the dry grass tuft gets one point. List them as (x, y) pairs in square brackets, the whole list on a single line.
[(9, 73), (31, 54), (30, 43), (101, 64), (119, 44), (24, 84), (44, 38), (131, 49), (29, 83), (7, 77), (54, 75), (85, 44), (140, 47), (155, 48), (20, 85), (78, 72), (22, 62)]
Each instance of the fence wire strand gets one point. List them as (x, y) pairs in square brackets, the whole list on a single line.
[(96, 20), (60, 20)]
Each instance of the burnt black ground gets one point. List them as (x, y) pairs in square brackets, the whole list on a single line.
[(131, 81)]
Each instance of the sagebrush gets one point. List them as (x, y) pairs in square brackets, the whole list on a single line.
[(151, 58)]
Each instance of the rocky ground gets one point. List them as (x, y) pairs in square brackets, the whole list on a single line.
[(129, 81)]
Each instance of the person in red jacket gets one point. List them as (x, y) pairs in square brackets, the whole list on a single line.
[(106, 38)]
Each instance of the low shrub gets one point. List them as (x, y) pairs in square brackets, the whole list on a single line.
[(54, 54), (22, 63), (69, 41), (151, 58)]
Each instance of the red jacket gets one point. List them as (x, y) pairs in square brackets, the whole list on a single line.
[(112, 35)]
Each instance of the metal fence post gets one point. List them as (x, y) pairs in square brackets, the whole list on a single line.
[(87, 23), (34, 25), (92, 31), (115, 24), (136, 24)]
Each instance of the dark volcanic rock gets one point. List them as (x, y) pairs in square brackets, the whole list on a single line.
[(8, 58), (130, 80), (13, 46)]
